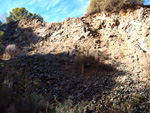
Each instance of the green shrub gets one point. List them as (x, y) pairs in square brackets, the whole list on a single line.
[(109, 5), (68, 107), (18, 13), (4, 98), (32, 103), (1, 35)]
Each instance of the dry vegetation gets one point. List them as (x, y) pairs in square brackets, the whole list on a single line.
[(18, 97), (109, 5), (10, 51)]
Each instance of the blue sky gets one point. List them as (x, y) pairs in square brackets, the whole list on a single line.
[(147, 2), (50, 10)]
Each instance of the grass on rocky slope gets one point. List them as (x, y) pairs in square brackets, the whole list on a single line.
[(17, 94)]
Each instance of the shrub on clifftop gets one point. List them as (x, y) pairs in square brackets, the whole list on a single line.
[(109, 5)]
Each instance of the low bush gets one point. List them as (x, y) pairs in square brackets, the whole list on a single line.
[(1, 35), (109, 5), (29, 103), (85, 63), (68, 107), (4, 98), (11, 50)]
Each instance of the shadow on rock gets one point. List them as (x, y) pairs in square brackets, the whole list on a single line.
[(58, 77)]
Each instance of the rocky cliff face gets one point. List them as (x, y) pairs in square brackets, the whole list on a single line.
[(123, 37), (120, 42)]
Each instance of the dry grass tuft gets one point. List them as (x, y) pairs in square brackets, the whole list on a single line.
[(87, 65)]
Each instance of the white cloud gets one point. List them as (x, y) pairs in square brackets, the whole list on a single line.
[(47, 4)]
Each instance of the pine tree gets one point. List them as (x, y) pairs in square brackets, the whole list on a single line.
[(18, 13)]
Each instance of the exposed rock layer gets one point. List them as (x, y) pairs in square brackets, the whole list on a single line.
[(122, 37), (120, 40)]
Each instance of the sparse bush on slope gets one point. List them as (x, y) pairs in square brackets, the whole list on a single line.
[(1, 35), (69, 107), (11, 50), (109, 5)]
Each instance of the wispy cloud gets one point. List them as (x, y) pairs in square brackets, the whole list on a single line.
[(50, 10)]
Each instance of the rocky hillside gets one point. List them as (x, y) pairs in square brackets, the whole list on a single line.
[(96, 58)]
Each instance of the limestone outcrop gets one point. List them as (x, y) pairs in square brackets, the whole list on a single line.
[(101, 59), (123, 37)]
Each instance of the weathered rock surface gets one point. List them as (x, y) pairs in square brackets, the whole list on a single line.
[(120, 40)]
